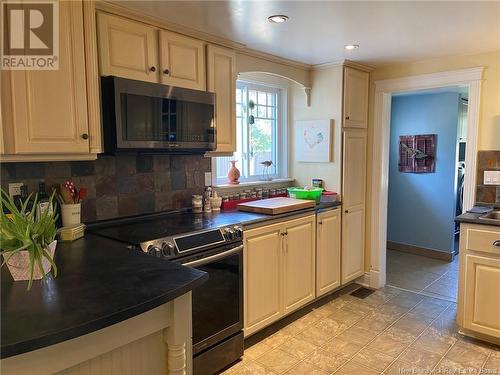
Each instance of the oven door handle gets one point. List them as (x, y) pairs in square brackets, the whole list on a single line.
[(201, 262)]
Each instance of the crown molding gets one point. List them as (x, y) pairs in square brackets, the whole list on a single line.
[(345, 62), (273, 58)]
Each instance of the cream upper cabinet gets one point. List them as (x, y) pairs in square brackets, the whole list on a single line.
[(299, 263), (328, 252), (262, 274), (356, 83), (478, 310), (353, 202), (221, 79), (127, 48), (182, 61), (46, 112)]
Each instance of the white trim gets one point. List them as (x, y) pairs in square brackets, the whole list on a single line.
[(380, 167)]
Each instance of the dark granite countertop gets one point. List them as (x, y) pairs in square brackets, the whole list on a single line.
[(252, 219), (100, 282), (473, 218)]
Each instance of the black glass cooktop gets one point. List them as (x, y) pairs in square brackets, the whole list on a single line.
[(147, 228)]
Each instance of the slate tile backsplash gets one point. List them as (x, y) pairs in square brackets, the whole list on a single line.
[(487, 194), (121, 185)]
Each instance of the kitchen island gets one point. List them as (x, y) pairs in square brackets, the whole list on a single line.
[(109, 309)]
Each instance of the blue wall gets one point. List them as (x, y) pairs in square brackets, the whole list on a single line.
[(421, 206)]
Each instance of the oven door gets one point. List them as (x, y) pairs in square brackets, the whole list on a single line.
[(218, 303)]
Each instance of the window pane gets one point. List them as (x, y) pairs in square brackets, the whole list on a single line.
[(239, 95), (261, 145), (252, 95), (239, 109), (270, 99), (262, 98), (261, 111)]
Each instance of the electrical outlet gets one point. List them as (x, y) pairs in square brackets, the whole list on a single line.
[(15, 189), (208, 178), (492, 177)]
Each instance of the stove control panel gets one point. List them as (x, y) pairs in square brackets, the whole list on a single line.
[(171, 247)]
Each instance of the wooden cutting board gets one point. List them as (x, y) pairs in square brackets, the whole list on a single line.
[(276, 206)]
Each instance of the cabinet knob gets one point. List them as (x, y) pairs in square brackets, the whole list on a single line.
[(347, 117), (346, 211), (496, 243), (166, 71), (85, 136), (153, 69)]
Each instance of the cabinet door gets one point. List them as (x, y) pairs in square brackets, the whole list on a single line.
[(46, 111), (222, 81), (328, 252), (182, 61), (353, 193), (482, 284), (356, 83), (299, 263), (127, 49), (261, 277)]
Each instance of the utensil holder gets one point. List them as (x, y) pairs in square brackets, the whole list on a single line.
[(71, 214)]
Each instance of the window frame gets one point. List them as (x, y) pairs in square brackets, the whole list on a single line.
[(280, 134)]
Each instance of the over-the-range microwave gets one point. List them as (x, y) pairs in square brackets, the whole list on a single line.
[(145, 116)]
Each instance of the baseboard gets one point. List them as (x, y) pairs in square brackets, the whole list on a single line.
[(417, 250)]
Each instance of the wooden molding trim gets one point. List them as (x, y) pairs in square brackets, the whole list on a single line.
[(92, 77), (46, 157), (122, 11), (417, 250), (273, 58), (346, 62)]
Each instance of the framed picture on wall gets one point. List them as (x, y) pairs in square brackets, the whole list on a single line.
[(417, 153), (313, 141)]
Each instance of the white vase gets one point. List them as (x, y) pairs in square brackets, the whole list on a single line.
[(19, 268), (71, 214)]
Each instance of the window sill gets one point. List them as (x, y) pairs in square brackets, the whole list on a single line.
[(253, 183)]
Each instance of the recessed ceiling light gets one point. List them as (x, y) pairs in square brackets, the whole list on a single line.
[(350, 47), (278, 18)]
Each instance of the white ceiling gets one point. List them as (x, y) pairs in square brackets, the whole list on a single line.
[(317, 31)]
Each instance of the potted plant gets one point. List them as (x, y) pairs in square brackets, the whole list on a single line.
[(27, 242)]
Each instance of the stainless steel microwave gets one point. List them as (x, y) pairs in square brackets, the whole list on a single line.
[(144, 116)]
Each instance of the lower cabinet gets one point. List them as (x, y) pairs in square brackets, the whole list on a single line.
[(328, 252), (279, 270), (479, 280)]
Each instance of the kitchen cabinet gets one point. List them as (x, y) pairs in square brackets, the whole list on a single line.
[(353, 202), (479, 280), (54, 114), (261, 276), (328, 251), (127, 48), (299, 263), (182, 61), (221, 79), (355, 107), (279, 271)]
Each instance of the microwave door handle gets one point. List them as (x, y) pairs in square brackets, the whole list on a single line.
[(203, 261)]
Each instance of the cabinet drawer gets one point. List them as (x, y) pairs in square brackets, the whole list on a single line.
[(482, 239)]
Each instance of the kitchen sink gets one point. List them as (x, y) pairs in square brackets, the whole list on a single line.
[(493, 215)]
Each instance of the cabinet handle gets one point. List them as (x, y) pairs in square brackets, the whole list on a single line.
[(153, 69), (85, 136), (320, 222), (496, 243), (347, 117), (166, 71)]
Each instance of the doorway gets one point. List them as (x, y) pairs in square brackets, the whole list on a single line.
[(384, 89), (426, 173)]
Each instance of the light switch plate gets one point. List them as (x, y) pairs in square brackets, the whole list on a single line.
[(492, 177), (208, 178), (15, 188)]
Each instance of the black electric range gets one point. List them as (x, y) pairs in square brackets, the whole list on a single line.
[(213, 246)]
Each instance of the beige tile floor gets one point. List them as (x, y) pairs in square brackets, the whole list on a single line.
[(389, 332), (432, 277)]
